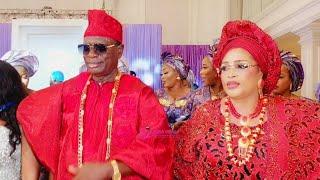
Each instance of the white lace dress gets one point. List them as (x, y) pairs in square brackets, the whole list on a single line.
[(9, 165)]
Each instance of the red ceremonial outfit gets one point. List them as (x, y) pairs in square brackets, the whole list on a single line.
[(140, 133), (284, 145), (288, 149)]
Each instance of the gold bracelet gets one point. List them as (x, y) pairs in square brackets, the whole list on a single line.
[(116, 173)]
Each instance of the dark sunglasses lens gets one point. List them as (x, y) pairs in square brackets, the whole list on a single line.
[(100, 48), (84, 49)]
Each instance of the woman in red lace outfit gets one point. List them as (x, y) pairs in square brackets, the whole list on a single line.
[(249, 134)]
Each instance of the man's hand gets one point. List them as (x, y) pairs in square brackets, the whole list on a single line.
[(92, 171)]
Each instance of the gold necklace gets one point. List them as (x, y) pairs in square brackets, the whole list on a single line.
[(109, 122), (176, 103), (249, 137)]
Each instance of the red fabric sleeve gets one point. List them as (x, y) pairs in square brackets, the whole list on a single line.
[(150, 154), (188, 163), (303, 133), (40, 118)]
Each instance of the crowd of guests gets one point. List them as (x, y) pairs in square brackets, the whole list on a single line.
[(245, 122)]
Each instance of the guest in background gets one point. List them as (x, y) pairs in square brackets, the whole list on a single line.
[(56, 77), (11, 93), (291, 77), (24, 62), (123, 65), (175, 95), (317, 94), (212, 88)]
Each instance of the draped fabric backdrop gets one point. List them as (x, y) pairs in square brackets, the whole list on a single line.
[(192, 54), (5, 38), (142, 49)]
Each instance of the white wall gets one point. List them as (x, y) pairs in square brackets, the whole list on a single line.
[(183, 21), (173, 16), (39, 4), (212, 15), (54, 42), (236, 8), (130, 11), (253, 8)]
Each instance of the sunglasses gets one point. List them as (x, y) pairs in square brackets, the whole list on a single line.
[(98, 49)]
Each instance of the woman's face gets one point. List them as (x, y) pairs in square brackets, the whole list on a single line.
[(240, 74), (284, 82), (208, 73), (23, 74), (169, 76)]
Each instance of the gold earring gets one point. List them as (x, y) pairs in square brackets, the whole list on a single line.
[(260, 88), (178, 78)]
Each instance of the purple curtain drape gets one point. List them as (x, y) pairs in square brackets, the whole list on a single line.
[(192, 54), (5, 38), (142, 50)]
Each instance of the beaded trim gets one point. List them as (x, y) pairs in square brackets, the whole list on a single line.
[(109, 122)]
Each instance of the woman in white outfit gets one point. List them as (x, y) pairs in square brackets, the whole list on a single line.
[(11, 93)]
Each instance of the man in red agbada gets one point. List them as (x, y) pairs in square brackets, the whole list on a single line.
[(100, 124)]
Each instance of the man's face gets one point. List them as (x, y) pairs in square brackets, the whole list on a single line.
[(101, 56)]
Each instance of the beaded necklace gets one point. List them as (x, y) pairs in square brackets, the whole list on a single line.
[(247, 141), (109, 122)]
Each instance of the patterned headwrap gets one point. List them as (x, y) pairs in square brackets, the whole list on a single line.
[(247, 35), (177, 63), (213, 48), (57, 76), (123, 65), (318, 92), (22, 58), (295, 68)]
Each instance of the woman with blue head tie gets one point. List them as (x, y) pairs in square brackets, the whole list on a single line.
[(177, 80), (25, 62), (291, 77)]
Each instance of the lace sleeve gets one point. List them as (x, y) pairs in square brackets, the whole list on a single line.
[(303, 133), (187, 164)]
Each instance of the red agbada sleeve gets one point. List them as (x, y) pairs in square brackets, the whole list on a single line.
[(150, 154), (40, 118)]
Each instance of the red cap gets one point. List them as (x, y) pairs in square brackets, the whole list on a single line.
[(104, 25), (247, 35)]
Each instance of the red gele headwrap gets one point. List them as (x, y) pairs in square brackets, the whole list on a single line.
[(104, 25), (247, 35)]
